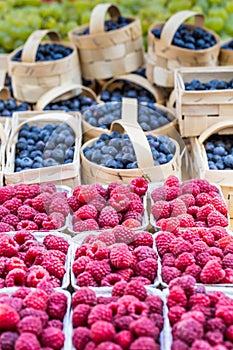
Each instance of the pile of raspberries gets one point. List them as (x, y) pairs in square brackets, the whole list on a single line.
[(129, 319), (32, 319), (200, 319), (115, 256), (192, 203)]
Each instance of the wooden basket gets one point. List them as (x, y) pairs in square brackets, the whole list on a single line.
[(200, 161), (66, 174), (225, 56), (31, 79), (93, 173), (163, 57), (62, 93), (198, 110), (103, 54)]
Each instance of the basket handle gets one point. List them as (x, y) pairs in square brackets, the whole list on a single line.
[(60, 117), (58, 91), (173, 23), (138, 138), (31, 46), (129, 110), (214, 128), (133, 78), (98, 15)]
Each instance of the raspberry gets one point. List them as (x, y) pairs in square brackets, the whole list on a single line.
[(11, 219), (73, 203), (139, 186), (57, 219), (102, 331), (54, 266), (112, 186), (119, 289), (57, 254), (228, 279), (97, 250), (126, 274), (87, 212), (83, 295), (48, 187), (87, 193), (8, 246), (204, 211), (144, 252), (179, 345), (11, 206), (225, 241), (56, 324), (189, 330), (56, 243), (123, 322), (27, 225), (172, 181), (144, 343), (53, 337), (59, 205), (108, 216), (107, 237), (98, 270), (111, 279), (99, 313), (37, 300), (189, 187), (219, 205), (176, 297), (201, 345), (80, 315), (170, 225), (136, 205), (199, 299), (188, 199), (137, 289), (192, 210), (212, 272), (15, 277), (186, 220), (119, 201), (143, 238), (161, 210), (179, 246), (3, 211), (85, 279), (132, 223), (202, 199), (169, 273), (22, 236), (79, 265), (108, 345), (194, 271), (14, 263), (6, 227), (25, 212), (35, 255), (124, 339), (30, 324), (144, 327), (131, 214), (41, 202), (227, 261), (175, 313), (9, 317), (121, 257), (122, 189), (216, 218), (81, 336), (184, 260), (215, 324), (21, 292), (147, 268), (229, 333), (7, 340), (86, 225), (57, 305), (6, 193), (155, 304), (214, 338), (163, 240), (123, 234), (205, 186), (177, 207), (28, 341)]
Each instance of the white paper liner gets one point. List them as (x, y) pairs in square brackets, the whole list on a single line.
[(165, 335), (153, 186), (145, 221), (40, 237), (66, 320), (78, 243)]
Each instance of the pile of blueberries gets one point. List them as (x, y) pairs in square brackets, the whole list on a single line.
[(192, 39), (9, 106), (228, 45), (42, 147), (213, 84), (76, 103), (116, 151), (111, 25), (149, 119), (219, 150), (47, 52)]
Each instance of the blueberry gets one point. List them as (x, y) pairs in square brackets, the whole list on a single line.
[(69, 141), (219, 151), (114, 164), (23, 153), (34, 154), (40, 145), (47, 154), (17, 162), (58, 155), (69, 154), (26, 162), (228, 161), (36, 165), (132, 165), (21, 145), (18, 169), (50, 145), (49, 162)]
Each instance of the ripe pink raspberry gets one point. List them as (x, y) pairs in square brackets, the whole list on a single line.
[(201, 344), (27, 225), (176, 297), (155, 304), (189, 330), (6, 227), (86, 225), (87, 211), (163, 241), (169, 273), (80, 315), (219, 205), (168, 259), (6, 193), (119, 201), (136, 205), (56, 243), (98, 270), (172, 181), (131, 223), (36, 299), (123, 234), (52, 337), (199, 299), (73, 203), (11, 219), (99, 313), (8, 339), (79, 265), (3, 211), (144, 327), (143, 238), (87, 193), (144, 343), (59, 205), (186, 220), (8, 246), (137, 289), (216, 219), (111, 279), (13, 205), (48, 187), (39, 218), (121, 257), (14, 263), (204, 211), (139, 186), (147, 268), (122, 322), (215, 324), (194, 271), (192, 210), (124, 339), (54, 266), (22, 236), (119, 289), (30, 324), (42, 315), (108, 345), (81, 337), (214, 338), (54, 221), (179, 345), (218, 232), (184, 260), (27, 340), (161, 210), (107, 237), (175, 313), (122, 189), (179, 246), (97, 250), (35, 275), (101, 190), (102, 331), (83, 295), (189, 187), (41, 202), (228, 279), (25, 212), (188, 199), (177, 207), (9, 317), (202, 199), (212, 272), (132, 214), (171, 224)]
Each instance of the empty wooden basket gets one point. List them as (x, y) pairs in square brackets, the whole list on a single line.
[(103, 54), (31, 79)]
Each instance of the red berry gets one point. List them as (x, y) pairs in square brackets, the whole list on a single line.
[(216, 219), (37, 300), (137, 289), (143, 238), (161, 210), (9, 317), (87, 212), (172, 181), (83, 295), (144, 343), (108, 216), (121, 257), (80, 315), (147, 268), (212, 272), (56, 243), (30, 324), (123, 234), (139, 186), (102, 331), (27, 340), (53, 337), (189, 330), (99, 313), (8, 339), (81, 336)]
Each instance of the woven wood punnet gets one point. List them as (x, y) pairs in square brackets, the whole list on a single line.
[(225, 56), (31, 79), (103, 54), (224, 178), (163, 57), (92, 172), (66, 174)]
